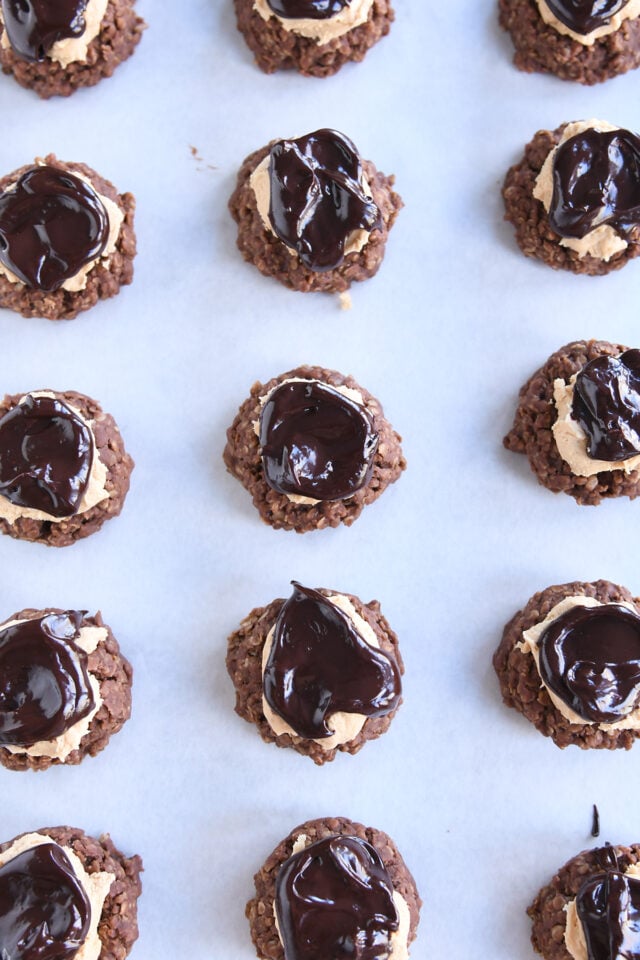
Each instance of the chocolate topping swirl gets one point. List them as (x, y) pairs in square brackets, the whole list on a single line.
[(52, 224), (596, 181), (319, 664), (590, 658), (584, 16), (317, 197), (44, 684), (33, 26), (606, 404), (46, 453), (608, 907), (335, 899), (307, 9), (44, 911), (315, 442)]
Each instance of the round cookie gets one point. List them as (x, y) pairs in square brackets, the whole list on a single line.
[(276, 48), (245, 654), (520, 681), (242, 456), (260, 910)]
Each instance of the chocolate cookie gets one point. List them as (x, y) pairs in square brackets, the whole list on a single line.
[(67, 239), (326, 231), (272, 28), (63, 467), (82, 43), (554, 675), (80, 890), (356, 452), (377, 856)]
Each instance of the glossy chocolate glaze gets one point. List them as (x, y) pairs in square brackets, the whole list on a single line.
[(46, 452), (590, 658), (596, 181), (44, 910), (583, 16), (606, 404), (319, 664), (608, 906), (317, 198), (51, 225), (307, 9), (316, 442), (335, 899), (44, 684), (33, 26)]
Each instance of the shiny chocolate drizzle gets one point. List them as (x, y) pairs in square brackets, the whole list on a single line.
[(315, 442), (46, 453), (33, 26), (590, 658), (319, 664), (584, 16), (317, 198), (307, 9), (335, 899), (52, 224), (44, 684), (44, 911), (596, 181), (606, 404), (608, 907)]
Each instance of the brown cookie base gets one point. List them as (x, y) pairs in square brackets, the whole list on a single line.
[(520, 682), (103, 281), (242, 459), (260, 910), (275, 259), (540, 48), (114, 675), (118, 927), (110, 449), (275, 48), (533, 233), (536, 413), (548, 909), (119, 35), (244, 664)]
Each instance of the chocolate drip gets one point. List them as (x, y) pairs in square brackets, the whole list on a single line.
[(317, 197), (319, 664), (307, 9), (44, 911), (583, 16), (590, 658), (52, 224), (596, 181), (335, 899), (315, 442), (33, 26), (606, 404), (608, 907), (46, 452), (44, 684)]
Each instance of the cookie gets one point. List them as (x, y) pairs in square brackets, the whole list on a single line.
[(85, 42), (312, 214), (311, 36), (283, 422), (324, 848), (288, 662), (63, 467), (79, 890), (67, 239), (80, 668), (568, 663)]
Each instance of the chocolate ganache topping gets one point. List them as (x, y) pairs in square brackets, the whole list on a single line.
[(307, 9), (46, 452), (590, 658), (316, 442), (319, 665), (33, 26), (44, 684), (335, 899), (584, 16), (52, 224), (608, 907), (317, 197), (596, 181), (44, 911), (606, 404)]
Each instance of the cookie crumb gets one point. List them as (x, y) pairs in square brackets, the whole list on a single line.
[(345, 300)]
